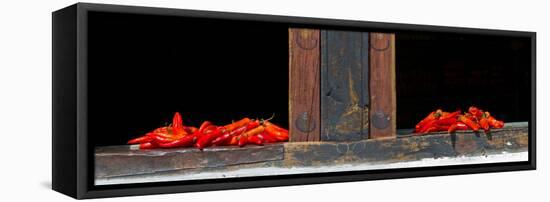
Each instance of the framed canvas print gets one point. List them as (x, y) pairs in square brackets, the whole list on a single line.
[(155, 100)]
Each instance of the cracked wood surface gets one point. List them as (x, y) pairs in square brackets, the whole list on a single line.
[(304, 101), (123, 160), (410, 148), (344, 85), (382, 85)]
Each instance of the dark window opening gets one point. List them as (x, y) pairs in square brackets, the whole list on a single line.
[(143, 68), (452, 71)]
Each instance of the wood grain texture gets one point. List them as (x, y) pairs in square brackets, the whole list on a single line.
[(304, 84), (382, 85), (344, 85), (122, 162), (114, 161), (393, 150)]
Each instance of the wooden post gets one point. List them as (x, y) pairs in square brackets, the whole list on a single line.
[(344, 85), (304, 84), (382, 85)]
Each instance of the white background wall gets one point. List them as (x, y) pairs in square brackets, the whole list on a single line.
[(25, 99)]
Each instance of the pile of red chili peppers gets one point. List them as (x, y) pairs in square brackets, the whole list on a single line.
[(243, 132), (475, 119)]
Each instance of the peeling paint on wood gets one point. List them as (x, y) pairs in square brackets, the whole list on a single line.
[(344, 85)]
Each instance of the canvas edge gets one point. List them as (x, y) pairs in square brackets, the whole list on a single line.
[(84, 190)]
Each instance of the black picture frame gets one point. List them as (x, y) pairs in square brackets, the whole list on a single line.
[(72, 170)]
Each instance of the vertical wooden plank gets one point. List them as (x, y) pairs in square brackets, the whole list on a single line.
[(382, 85), (365, 90), (304, 84), (342, 88)]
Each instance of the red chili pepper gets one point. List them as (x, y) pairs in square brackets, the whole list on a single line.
[(255, 140), (239, 131), (433, 128), (190, 129), (234, 140), (139, 140), (443, 127), (147, 145), (177, 122), (161, 130), (221, 139), (461, 126), (242, 140), (227, 136), (177, 125), (472, 117), (441, 123), (469, 122), (484, 122), (452, 128), (165, 135), (475, 112), (206, 140), (446, 121), (421, 124), (161, 139), (450, 115), (186, 141), (273, 131), (428, 125), (432, 116), (209, 129), (198, 134), (493, 122), (457, 126), (242, 132), (237, 124), (252, 124), (283, 136), (267, 138), (280, 135), (204, 125), (269, 124), (254, 131)]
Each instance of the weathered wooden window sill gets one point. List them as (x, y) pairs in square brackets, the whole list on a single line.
[(114, 162)]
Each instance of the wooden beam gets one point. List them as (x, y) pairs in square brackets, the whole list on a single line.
[(121, 162), (344, 85), (393, 150), (382, 85), (112, 161), (304, 81)]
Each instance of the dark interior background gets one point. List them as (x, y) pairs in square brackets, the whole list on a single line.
[(143, 68), (455, 71)]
